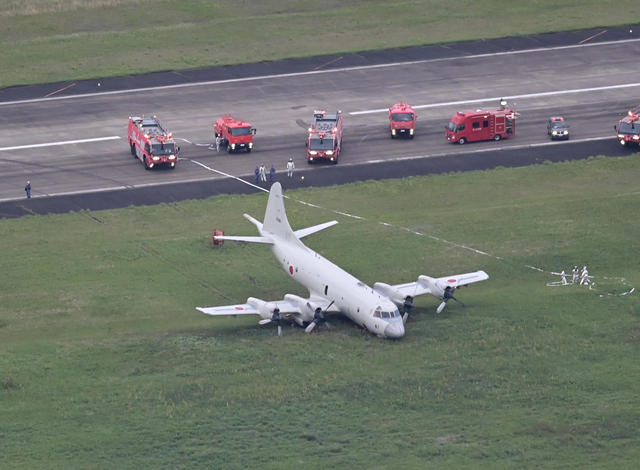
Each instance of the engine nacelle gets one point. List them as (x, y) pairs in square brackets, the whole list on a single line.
[(307, 308), (265, 308), (394, 295), (435, 287)]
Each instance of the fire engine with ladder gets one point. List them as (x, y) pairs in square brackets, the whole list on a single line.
[(325, 137), (628, 128), (151, 143), (482, 124)]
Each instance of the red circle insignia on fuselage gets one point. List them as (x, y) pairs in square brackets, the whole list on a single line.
[(291, 270), (452, 280), (239, 308)]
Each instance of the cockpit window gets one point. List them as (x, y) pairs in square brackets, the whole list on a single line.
[(378, 313)]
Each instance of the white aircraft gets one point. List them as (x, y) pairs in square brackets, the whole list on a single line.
[(331, 289)]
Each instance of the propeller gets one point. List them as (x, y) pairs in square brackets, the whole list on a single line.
[(406, 307), (448, 295), (318, 318), (276, 318)]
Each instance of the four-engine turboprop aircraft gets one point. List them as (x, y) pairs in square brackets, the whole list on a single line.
[(331, 289)]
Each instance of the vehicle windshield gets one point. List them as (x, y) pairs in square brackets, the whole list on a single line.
[(558, 125), (380, 314), (632, 128), (402, 117), (163, 149), (240, 131), (455, 127), (321, 144)]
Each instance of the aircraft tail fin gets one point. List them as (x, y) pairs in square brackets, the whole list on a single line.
[(275, 218)]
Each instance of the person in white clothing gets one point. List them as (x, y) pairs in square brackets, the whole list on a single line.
[(564, 277), (585, 277), (576, 274), (290, 167), (263, 173), (218, 142)]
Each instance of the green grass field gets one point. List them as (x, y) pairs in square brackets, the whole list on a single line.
[(105, 363), (54, 40)]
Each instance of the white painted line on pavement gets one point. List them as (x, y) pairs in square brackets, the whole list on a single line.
[(317, 72), (51, 144), (368, 162), (509, 97)]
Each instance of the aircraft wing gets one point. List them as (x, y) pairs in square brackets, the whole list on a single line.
[(285, 307), (427, 285), (291, 304)]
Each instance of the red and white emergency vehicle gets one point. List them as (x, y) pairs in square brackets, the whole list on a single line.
[(402, 120), (235, 134), (482, 124), (325, 137), (628, 128), (151, 143)]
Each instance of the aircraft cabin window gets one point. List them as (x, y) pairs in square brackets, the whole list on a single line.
[(376, 314), (385, 314)]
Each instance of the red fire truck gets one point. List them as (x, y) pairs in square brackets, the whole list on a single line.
[(325, 137), (628, 128), (402, 120), (151, 143), (482, 124), (235, 134)]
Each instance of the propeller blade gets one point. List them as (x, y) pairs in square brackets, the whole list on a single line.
[(265, 321), (441, 307), (405, 317), (310, 328), (279, 330), (328, 325), (458, 301)]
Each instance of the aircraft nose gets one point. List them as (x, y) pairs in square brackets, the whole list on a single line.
[(394, 330)]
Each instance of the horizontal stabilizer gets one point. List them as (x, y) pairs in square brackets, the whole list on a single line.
[(246, 239), (316, 228)]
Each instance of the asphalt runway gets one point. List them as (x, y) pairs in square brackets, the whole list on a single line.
[(591, 84)]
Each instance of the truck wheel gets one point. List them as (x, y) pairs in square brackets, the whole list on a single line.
[(146, 166), (462, 141), (393, 136), (335, 162), (248, 149), (228, 148), (133, 151), (412, 136), (497, 137)]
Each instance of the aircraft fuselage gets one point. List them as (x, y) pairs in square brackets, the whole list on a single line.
[(352, 297)]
